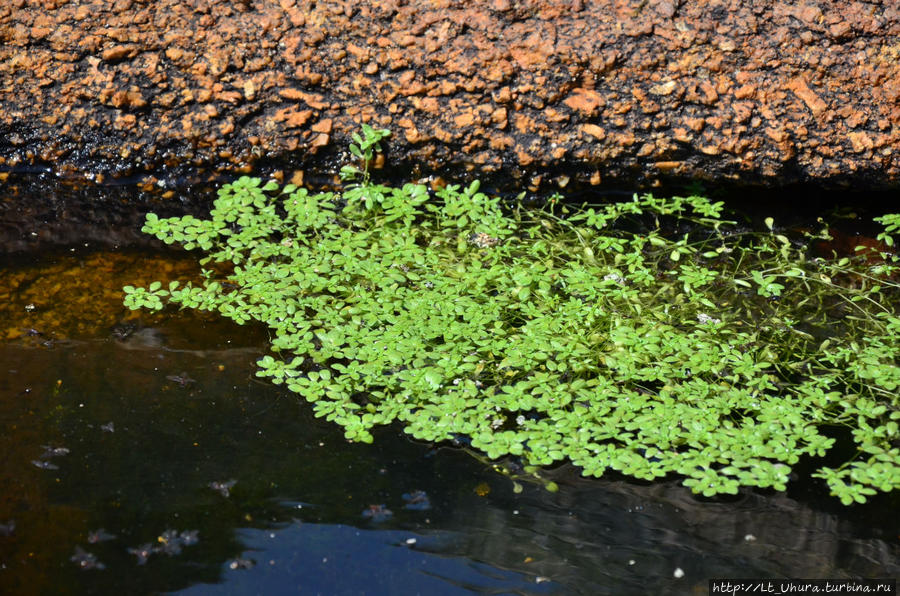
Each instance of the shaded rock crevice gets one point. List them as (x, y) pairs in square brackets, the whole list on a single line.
[(545, 93)]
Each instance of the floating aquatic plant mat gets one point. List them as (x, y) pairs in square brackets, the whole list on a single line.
[(602, 336)]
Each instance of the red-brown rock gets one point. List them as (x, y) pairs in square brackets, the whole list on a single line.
[(618, 91)]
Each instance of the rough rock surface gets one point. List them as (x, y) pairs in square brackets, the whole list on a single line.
[(547, 92)]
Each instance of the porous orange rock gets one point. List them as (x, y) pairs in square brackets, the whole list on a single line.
[(629, 92)]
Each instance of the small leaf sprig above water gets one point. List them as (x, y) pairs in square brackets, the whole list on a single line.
[(597, 336), (364, 149)]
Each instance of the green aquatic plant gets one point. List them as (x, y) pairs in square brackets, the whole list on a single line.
[(602, 336)]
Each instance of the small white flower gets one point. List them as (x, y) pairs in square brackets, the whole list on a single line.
[(614, 277), (704, 318), (482, 240)]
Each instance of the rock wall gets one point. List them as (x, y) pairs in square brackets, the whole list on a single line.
[(546, 93)]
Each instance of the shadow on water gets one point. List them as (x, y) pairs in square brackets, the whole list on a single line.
[(142, 456)]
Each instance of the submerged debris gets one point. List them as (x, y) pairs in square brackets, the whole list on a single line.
[(416, 500), (377, 513), (48, 453), (240, 563), (54, 451), (99, 535), (132, 337), (142, 552), (86, 560), (182, 380), (224, 488), (170, 542), (44, 465), (123, 331)]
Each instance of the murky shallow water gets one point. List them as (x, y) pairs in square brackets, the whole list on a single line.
[(204, 480)]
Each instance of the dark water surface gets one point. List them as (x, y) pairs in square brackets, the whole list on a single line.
[(140, 455)]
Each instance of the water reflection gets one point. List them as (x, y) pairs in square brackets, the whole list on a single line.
[(339, 559), (118, 478)]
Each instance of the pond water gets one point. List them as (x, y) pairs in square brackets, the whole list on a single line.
[(141, 455)]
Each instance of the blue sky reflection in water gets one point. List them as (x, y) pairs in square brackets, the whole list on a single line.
[(339, 559), (140, 428)]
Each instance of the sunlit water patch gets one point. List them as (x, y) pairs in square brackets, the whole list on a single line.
[(141, 455)]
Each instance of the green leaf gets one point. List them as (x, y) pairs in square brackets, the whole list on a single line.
[(551, 339)]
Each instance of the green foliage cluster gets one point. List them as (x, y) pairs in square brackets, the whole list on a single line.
[(600, 337)]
